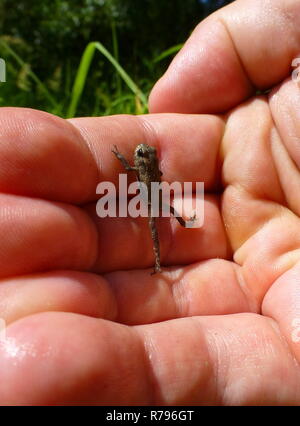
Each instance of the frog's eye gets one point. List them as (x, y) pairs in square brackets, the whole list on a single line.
[(142, 153)]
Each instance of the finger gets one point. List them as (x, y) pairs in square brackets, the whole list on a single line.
[(126, 243), (129, 297), (210, 287), (229, 56), (65, 291), (206, 288), (213, 360), (45, 156), (38, 235)]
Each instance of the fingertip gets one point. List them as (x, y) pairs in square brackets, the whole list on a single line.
[(61, 358)]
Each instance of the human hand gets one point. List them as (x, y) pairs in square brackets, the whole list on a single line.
[(214, 330)]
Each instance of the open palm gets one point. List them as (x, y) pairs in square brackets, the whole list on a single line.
[(87, 322)]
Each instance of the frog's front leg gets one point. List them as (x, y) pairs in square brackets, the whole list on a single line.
[(123, 160)]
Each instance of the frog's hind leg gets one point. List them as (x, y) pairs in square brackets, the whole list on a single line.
[(156, 248)]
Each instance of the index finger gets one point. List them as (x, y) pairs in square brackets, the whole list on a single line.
[(47, 157)]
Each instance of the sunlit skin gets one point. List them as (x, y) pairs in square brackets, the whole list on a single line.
[(87, 323)]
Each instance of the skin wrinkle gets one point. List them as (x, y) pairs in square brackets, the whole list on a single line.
[(96, 159), (285, 342), (238, 57), (179, 297), (279, 267), (251, 361), (247, 184), (216, 358), (267, 8), (236, 249), (97, 253), (150, 135), (253, 305), (229, 251), (153, 383), (207, 359), (153, 350), (84, 141), (290, 127), (220, 371), (283, 202), (95, 239), (279, 327)]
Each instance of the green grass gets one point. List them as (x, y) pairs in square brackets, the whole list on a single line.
[(25, 88), (10, 52), (138, 96)]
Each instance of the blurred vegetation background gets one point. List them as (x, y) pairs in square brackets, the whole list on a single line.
[(91, 57)]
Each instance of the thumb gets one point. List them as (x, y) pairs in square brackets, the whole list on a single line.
[(245, 46)]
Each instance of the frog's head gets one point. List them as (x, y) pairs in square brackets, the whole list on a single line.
[(144, 152)]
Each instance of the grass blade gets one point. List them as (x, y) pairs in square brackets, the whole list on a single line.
[(80, 78), (171, 51), (130, 83), (83, 71), (34, 77)]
